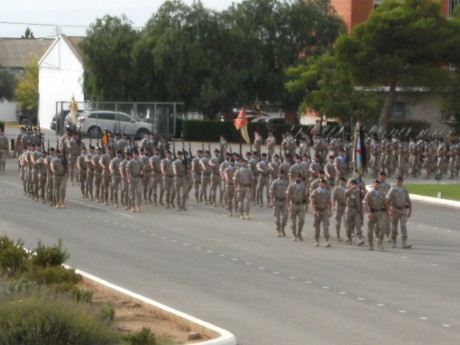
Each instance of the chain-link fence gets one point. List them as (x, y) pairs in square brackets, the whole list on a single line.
[(161, 115)]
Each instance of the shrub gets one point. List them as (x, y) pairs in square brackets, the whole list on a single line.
[(53, 275), (38, 320), (144, 337), (13, 257), (49, 256), (107, 313)]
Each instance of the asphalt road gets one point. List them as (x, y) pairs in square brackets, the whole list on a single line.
[(237, 275)]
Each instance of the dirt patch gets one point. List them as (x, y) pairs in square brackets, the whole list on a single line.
[(131, 316)]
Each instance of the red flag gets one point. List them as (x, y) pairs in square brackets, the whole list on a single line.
[(241, 120)]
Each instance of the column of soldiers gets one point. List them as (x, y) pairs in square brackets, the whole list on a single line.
[(305, 174)]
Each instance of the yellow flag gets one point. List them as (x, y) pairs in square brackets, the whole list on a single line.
[(73, 106)]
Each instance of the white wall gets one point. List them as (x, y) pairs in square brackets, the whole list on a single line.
[(60, 78), (7, 111)]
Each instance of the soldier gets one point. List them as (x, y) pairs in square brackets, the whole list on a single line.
[(42, 175), (196, 173), (287, 162), (315, 167), (244, 184), (263, 180), (82, 170), (4, 151), (374, 205), (125, 201), (122, 143), (180, 179), (297, 168), (35, 170), (205, 175), (271, 145), (90, 173), (339, 204), (134, 172), (73, 151), (229, 173), (400, 209), (157, 180), (441, 154), (95, 158), (329, 169), (315, 183), (19, 142), (297, 203), (374, 150), (322, 210), (414, 153), (341, 164), (257, 143), (49, 177), (274, 168), (253, 159), (278, 189), (59, 171), (147, 176), (354, 195), (104, 163), (222, 168), (114, 167), (168, 179), (215, 179), (385, 188), (304, 149)]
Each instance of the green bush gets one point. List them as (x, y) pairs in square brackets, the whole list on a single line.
[(144, 337), (13, 257), (38, 320), (107, 314), (22, 286), (49, 256), (53, 275)]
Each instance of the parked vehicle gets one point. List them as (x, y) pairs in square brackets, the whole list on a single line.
[(93, 123)]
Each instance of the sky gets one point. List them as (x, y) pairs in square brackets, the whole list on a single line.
[(72, 17)]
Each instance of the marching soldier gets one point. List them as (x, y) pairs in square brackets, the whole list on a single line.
[(257, 143), (196, 173), (147, 176), (215, 179), (73, 149), (168, 179), (400, 206), (42, 176), (339, 204), (125, 200), (278, 189), (341, 164), (114, 168), (181, 183), (4, 151), (244, 184), (104, 163), (82, 171), (374, 205), (297, 204), (90, 173), (263, 180), (271, 145), (354, 196), (205, 175), (134, 172), (274, 168), (322, 210), (49, 177), (330, 172), (157, 179), (385, 188), (59, 171), (229, 174), (95, 158)]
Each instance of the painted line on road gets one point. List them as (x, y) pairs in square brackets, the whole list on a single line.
[(100, 208), (446, 325), (423, 318)]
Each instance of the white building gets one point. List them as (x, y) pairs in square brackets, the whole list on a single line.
[(60, 77)]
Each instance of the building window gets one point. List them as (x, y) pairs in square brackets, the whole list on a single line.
[(398, 112), (452, 5)]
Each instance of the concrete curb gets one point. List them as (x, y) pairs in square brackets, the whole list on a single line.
[(222, 337), (435, 201)]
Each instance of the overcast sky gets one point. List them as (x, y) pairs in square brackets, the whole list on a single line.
[(81, 13)]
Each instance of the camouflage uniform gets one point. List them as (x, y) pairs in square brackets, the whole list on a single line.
[(321, 208), (297, 199), (400, 204), (244, 181), (375, 206), (278, 189)]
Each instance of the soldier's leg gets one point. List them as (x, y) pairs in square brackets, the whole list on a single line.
[(284, 218), (167, 191), (249, 198), (325, 221), (358, 226), (316, 227), (63, 187), (380, 231), (338, 220), (293, 216), (230, 193), (370, 231), (403, 225), (277, 214), (301, 216)]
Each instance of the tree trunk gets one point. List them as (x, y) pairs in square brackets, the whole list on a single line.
[(387, 107)]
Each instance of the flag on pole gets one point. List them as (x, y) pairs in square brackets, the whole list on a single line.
[(241, 123), (73, 106), (359, 150), (105, 138)]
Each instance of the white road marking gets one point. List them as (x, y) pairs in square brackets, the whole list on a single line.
[(380, 305), (261, 268), (325, 287), (402, 311), (276, 273), (248, 264), (163, 237), (308, 282), (342, 293), (153, 235), (209, 251), (234, 259), (446, 325), (143, 231), (292, 277), (222, 255), (423, 318), (361, 299)]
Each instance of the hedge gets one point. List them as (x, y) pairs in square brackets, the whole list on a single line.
[(210, 131)]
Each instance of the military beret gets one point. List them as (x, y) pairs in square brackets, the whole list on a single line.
[(322, 180), (52, 149), (382, 173), (264, 154), (342, 178), (377, 181), (180, 153), (399, 177)]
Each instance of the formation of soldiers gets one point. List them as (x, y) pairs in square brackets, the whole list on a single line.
[(304, 174)]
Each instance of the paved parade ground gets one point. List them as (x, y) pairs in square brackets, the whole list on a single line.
[(239, 276)]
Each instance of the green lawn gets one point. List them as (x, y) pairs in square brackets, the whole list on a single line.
[(449, 191)]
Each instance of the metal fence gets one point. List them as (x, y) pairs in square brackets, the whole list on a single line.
[(161, 115)]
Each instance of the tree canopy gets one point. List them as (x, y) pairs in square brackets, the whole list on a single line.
[(8, 84), (27, 89), (212, 61), (403, 43)]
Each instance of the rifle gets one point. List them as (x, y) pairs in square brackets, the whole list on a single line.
[(202, 147), (221, 152), (190, 150), (48, 145), (408, 132), (174, 150), (209, 148), (40, 141)]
